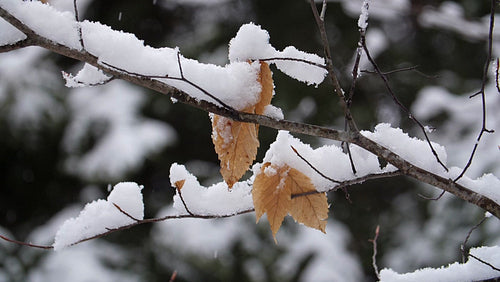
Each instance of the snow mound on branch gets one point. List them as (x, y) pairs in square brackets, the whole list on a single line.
[(217, 199), (329, 160), (101, 215), (472, 270), (9, 34), (87, 76), (414, 150), (252, 43)]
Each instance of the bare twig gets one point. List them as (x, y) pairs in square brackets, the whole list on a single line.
[(26, 244), (484, 262), (482, 91), (432, 199), (78, 27), (329, 64), (465, 253), (125, 213), (374, 256), (183, 202), (497, 76), (173, 277), (411, 68), (401, 106), (313, 167), (351, 182), (137, 222), (295, 60)]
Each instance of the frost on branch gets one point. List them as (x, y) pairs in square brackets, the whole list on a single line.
[(101, 215)]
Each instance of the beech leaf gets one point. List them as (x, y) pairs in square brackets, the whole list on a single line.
[(236, 143), (310, 210), (272, 192), (271, 195)]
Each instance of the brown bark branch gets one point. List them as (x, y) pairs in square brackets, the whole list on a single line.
[(353, 136)]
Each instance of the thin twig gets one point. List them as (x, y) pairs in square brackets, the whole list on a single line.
[(401, 106), (172, 78), (329, 64), (322, 66), (351, 182), (313, 167), (173, 276), (183, 202), (26, 244), (405, 69), (465, 253), (482, 91), (79, 27), (374, 256), (497, 76), (126, 213), (484, 262), (432, 199)]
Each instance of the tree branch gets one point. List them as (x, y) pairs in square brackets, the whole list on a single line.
[(353, 136)]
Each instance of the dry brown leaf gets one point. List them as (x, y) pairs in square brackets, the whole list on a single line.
[(272, 196), (266, 93), (235, 142), (272, 193), (236, 145), (310, 210), (179, 184)]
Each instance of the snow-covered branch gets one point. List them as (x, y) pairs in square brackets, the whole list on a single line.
[(107, 56)]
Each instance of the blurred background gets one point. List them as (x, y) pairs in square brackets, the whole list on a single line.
[(61, 148)]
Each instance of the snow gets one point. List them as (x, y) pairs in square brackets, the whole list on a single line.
[(236, 85), (280, 153), (414, 150), (110, 113), (252, 43), (215, 239), (472, 270), (46, 21), (87, 76), (9, 34), (217, 199), (363, 17), (99, 216)]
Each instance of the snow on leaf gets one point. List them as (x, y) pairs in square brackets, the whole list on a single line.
[(310, 210), (236, 142)]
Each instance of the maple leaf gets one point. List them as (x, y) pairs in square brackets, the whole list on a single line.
[(236, 142), (272, 193)]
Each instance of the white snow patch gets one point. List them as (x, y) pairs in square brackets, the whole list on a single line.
[(87, 76), (217, 199), (472, 270), (252, 43), (99, 216)]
